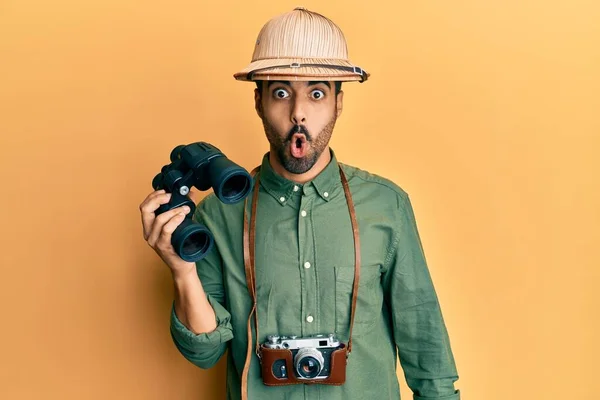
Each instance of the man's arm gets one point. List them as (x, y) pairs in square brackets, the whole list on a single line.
[(419, 330), (192, 307), (200, 323)]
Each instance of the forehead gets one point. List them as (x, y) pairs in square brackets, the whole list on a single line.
[(297, 85)]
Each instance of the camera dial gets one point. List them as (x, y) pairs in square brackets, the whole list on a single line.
[(273, 339)]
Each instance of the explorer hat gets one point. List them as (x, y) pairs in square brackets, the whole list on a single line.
[(301, 45)]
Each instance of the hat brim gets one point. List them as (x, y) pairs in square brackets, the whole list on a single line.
[(302, 73)]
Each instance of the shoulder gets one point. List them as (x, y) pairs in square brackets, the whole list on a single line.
[(363, 180), (211, 208), (209, 202)]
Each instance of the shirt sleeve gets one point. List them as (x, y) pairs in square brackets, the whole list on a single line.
[(205, 349), (419, 329)]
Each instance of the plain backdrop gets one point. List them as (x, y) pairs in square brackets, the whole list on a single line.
[(485, 112)]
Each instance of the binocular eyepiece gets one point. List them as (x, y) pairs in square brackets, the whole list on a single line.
[(203, 166)]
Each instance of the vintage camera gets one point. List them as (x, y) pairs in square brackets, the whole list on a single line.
[(204, 166), (310, 356)]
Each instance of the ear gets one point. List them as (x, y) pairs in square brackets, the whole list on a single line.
[(339, 102), (258, 103)]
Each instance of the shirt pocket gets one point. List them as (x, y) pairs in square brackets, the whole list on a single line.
[(369, 300)]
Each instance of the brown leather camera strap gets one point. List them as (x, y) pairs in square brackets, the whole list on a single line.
[(249, 237), (356, 253), (249, 260)]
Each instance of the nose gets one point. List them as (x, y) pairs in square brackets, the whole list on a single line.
[(298, 115)]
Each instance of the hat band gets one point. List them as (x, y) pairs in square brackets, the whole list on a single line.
[(355, 70)]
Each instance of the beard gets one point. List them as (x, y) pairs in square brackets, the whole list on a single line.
[(281, 145)]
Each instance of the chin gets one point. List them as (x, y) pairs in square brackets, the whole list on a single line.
[(298, 165)]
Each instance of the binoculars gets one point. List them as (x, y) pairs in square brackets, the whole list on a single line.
[(203, 166)]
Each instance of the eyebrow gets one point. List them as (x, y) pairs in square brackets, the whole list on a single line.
[(310, 83)]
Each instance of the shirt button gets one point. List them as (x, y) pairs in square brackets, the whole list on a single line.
[(303, 213), (296, 188), (309, 318), (326, 194), (282, 199), (307, 265)]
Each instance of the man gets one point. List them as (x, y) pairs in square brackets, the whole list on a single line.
[(304, 259)]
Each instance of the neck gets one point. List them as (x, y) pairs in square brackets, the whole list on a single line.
[(307, 176)]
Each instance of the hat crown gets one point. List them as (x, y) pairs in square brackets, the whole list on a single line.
[(300, 34)]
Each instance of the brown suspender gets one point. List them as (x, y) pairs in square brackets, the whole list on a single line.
[(249, 260)]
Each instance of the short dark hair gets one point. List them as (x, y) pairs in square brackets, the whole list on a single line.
[(338, 86)]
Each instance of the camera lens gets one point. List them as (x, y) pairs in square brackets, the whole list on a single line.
[(309, 363), (309, 367)]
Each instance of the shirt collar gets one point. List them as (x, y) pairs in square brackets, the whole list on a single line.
[(327, 184)]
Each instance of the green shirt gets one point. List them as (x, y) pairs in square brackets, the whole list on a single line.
[(304, 274)]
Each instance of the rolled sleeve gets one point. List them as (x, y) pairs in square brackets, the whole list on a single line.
[(419, 329), (204, 349), (455, 396)]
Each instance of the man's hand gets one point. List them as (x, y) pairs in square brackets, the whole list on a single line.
[(158, 230)]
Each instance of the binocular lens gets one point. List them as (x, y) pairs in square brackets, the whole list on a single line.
[(195, 243), (230, 182), (235, 188), (191, 240)]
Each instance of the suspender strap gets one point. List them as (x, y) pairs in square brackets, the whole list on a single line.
[(249, 266)]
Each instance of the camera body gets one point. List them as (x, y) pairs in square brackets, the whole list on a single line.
[(310, 359), (203, 166)]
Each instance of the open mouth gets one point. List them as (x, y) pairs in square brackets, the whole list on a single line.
[(298, 145)]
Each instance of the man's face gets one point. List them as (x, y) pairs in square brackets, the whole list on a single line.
[(298, 118)]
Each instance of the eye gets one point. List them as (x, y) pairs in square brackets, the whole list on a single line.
[(317, 94), (280, 93)]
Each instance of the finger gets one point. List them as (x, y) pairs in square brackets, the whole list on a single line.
[(152, 195), (149, 207), (164, 240), (150, 199), (161, 220)]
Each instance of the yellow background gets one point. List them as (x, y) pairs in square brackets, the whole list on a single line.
[(485, 112)]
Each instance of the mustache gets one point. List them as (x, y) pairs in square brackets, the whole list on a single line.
[(298, 129)]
